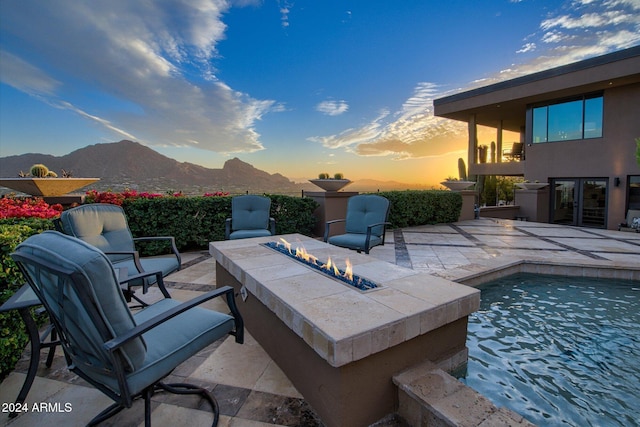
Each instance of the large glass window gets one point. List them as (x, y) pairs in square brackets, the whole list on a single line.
[(564, 121), (593, 117)]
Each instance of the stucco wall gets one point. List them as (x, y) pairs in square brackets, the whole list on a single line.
[(611, 156)]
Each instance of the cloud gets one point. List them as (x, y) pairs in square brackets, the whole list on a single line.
[(411, 132), (156, 56), (592, 28), (285, 9), (529, 47), (332, 108), (24, 76)]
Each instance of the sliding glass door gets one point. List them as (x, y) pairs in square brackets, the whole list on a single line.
[(579, 201)]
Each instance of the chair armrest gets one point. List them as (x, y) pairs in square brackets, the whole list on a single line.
[(272, 226), (227, 228), (142, 275), (140, 329), (369, 228), (134, 254), (328, 225), (171, 239)]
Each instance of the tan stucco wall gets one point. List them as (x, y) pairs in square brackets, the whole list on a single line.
[(611, 156)]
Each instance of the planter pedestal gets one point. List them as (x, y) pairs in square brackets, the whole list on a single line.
[(333, 205)]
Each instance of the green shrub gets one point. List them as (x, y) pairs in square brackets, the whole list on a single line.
[(13, 336), (414, 207), (196, 221)]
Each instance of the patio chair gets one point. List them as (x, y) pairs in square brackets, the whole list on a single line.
[(365, 223), (105, 226), (249, 218), (632, 222), (123, 355), (515, 152)]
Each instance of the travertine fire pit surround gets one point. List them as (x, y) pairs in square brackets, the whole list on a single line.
[(339, 346)]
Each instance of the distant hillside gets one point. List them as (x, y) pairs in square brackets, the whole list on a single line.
[(128, 164)]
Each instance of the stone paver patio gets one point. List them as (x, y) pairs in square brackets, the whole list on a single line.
[(253, 391)]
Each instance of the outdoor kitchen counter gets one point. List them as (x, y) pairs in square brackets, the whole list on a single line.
[(339, 322)]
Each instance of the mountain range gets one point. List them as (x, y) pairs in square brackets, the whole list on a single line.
[(131, 165)]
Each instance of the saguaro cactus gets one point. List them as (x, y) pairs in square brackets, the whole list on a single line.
[(462, 169)]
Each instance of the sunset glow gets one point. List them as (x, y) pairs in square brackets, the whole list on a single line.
[(291, 87)]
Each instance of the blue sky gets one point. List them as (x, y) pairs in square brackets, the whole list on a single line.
[(295, 87)]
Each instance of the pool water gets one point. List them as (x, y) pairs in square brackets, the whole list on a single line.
[(561, 351)]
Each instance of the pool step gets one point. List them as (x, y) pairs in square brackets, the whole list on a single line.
[(428, 396)]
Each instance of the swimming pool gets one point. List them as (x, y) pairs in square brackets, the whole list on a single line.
[(558, 350)]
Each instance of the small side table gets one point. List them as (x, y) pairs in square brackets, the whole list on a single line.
[(23, 301)]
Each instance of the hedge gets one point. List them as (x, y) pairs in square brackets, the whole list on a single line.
[(196, 221), (13, 335), (414, 207)]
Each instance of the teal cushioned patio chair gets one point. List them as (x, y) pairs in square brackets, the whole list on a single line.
[(365, 224), (249, 218), (123, 355), (105, 226)]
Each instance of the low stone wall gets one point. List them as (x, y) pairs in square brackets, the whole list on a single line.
[(428, 396), (503, 212)]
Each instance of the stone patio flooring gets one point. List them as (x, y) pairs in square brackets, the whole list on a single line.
[(251, 390)]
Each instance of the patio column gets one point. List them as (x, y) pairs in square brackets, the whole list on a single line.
[(473, 140), (499, 143)]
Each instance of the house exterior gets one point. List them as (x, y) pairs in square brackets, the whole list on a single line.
[(577, 126)]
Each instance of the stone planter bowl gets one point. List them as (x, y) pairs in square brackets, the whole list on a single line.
[(45, 187), (331, 184), (457, 185)]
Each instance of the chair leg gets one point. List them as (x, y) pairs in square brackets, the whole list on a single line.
[(183, 388), (106, 414), (147, 394)]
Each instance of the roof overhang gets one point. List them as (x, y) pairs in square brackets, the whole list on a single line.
[(506, 102)]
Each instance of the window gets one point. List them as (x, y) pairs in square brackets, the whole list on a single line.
[(633, 197), (564, 121)]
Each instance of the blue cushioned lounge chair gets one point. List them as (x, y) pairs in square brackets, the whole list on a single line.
[(105, 226), (365, 223), (249, 218), (123, 355)]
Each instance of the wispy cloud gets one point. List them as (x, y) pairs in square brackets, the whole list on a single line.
[(136, 53), (332, 108), (285, 8), (25, 77), (593, 27)]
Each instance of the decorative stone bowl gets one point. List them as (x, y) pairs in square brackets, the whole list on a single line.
[(331, 184), (45, 187), (531, 185), (457, 185)]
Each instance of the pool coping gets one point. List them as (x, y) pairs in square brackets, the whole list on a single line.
[(552, 268)]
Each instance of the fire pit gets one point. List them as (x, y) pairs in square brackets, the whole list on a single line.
[(329, 268), (340, 346)]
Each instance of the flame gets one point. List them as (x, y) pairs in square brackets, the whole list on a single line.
[(286, 244), (301, 253), (348, 271)]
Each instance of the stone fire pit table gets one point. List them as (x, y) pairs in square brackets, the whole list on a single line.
[(340, 346)]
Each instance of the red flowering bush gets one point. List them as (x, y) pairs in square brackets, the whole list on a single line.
[(28, 208), (94, 196)]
